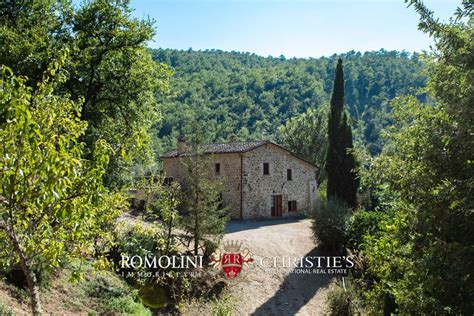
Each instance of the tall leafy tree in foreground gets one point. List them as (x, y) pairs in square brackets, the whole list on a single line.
[(53, 205), (340, 164), (422, 256), (109, 69), (113, 71)]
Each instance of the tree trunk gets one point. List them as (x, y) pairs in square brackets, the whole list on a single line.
[(196, 236), (33, 288), (196, 223), (168, 240)]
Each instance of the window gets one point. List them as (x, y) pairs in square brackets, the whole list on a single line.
[(288, 175), (292, 206), (168, 180), (266, 168), (218, 168)]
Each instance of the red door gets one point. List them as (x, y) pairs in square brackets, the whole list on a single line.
[(277, 205)]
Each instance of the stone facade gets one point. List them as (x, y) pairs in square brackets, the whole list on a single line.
[(229, 176), (248, 191)]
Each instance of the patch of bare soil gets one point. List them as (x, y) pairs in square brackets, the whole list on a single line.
[(10, 301), (277, 293), (61, 298)]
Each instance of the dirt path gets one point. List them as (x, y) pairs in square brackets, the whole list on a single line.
[(280, 292)]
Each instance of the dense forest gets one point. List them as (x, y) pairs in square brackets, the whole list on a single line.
[(252, 96)]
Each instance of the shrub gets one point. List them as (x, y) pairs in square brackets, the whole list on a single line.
[(222, 306), (330, 224), (342, 301), (114, 296), (105, 287), (363, 223), (136, 239), (125, 305), (158, 288)]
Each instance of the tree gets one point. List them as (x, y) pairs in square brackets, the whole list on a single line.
[(109, 69), (32, 35), (114, 72), (422, 256), (306, 136), (53, 205), (340, 163), (205, 217), (167, 210)]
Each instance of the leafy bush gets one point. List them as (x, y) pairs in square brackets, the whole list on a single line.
[(340, 301), (363, 223), (158, 288), (105, 288), (223, 305), (114, 296), (330, 220), (136, 239), (125, 305)]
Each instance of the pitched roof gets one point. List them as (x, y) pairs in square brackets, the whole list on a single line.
[(232, 147), (223, 148)]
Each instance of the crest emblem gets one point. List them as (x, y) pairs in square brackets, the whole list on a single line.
[(232, 260)]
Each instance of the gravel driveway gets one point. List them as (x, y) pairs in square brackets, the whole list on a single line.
[(277, 292)]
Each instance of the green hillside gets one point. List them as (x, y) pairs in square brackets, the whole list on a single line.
[(251, 96)]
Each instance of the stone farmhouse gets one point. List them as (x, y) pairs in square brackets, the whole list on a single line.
[(261, 179)]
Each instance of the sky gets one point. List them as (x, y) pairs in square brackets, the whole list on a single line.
[(293, 28)]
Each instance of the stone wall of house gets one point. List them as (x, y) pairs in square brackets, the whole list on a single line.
[(173, 168), (229, 176), (258, 189)]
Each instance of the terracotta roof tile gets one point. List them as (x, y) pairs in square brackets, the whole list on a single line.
[(232, 147), (224, 148)]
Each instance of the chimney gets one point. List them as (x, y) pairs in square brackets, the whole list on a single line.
[(181, 148), (232, 138)]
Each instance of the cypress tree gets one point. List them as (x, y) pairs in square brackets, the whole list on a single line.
[(342, 181)]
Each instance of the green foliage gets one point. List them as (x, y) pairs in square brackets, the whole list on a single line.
[(138, 239), (252, 96), (389, 267), (29, 35), (167, 205), (329, 226), (306, 136), (105, 288), (341, 301), (223, 306), (429, 181), (126, 305), (109, 70), (53, 204), (114, 296), (157, 287), (164, 288), (418, 259), (364, 223), (340, 161), (205, 217)]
